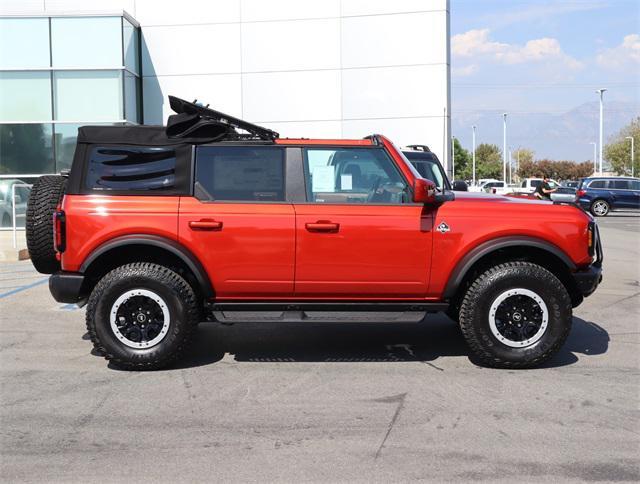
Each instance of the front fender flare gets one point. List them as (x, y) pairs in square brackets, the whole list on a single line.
[(481, 250)]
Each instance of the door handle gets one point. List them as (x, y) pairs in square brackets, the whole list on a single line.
[(205, 225), (322, 226)]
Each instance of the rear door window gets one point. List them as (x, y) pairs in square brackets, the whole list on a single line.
[(240, 173), (619, 184)]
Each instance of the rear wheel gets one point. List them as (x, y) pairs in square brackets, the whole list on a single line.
[(44, 198), (600, 208), (141, 316), (515, 315)]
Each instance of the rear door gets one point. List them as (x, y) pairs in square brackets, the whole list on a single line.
[(358, 235), (623, 195), (238, 223)]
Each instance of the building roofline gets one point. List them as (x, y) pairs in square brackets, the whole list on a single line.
[(100, 13)]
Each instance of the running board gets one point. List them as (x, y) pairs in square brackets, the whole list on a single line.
[(230, 312)]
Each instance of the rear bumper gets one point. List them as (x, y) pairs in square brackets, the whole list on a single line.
[(65, 287)]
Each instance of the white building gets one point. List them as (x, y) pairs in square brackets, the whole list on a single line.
[(313, 68)]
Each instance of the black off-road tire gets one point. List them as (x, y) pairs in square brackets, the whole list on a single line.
[(182, 305), (477, 302), (44, 198)]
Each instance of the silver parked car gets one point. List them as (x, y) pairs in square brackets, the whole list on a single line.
[(564, 194)]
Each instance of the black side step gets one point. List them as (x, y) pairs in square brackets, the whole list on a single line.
[(230, 312)]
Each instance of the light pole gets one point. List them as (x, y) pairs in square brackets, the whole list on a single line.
[(601, 92), (473, 183), (510, 167), (632, 168), (453, 158), (595, 156), (504, 147)]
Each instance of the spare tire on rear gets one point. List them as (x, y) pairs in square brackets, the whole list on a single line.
[(45, 196)]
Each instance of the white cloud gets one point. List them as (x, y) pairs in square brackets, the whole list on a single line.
[(465, 71), (627, 54), (477, 43)]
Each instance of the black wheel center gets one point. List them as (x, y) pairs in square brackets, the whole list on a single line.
[(518, 318), (140, 319)]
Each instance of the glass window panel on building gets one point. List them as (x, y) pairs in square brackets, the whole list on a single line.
[(86, 42), (25, 96), (132, 107), (88, 95), (24, 42), (131, 43), (65, 138), (26, 149)]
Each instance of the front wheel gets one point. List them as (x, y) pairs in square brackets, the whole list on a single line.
[(600, 208), (141, 316), (515, 315)]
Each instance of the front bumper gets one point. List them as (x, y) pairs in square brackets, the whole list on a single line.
[(66, 287), (587, 280)]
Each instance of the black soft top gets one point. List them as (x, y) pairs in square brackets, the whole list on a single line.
[(192, 124)]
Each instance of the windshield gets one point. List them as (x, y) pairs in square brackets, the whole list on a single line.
[(428, 166)]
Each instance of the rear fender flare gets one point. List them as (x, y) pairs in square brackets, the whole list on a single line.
[(156, 241)]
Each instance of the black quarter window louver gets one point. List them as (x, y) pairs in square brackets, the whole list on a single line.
[(132, 169)]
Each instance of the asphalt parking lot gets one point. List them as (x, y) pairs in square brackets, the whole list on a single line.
[(323, 402)]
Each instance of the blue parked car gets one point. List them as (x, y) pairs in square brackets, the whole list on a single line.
[(600, 195)]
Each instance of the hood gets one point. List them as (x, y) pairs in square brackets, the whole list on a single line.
[(477, 197)]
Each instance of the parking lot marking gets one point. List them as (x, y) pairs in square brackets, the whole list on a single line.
[(23, 288)]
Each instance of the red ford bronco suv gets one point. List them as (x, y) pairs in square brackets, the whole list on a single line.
[(159, 228)]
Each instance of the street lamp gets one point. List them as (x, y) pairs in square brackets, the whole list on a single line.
[(601, 92), (474, 154), (595, 156), (632, 168), (504, 147), (453, 158), (510, 167)]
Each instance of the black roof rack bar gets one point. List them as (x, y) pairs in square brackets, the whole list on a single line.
[(424, 148), (181, 106)]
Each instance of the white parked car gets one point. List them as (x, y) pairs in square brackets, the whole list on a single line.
[(6, 202), (529, 185)]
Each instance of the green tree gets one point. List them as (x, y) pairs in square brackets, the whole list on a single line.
[(522, 155), (488, 161), (462, 159), (618, 150)]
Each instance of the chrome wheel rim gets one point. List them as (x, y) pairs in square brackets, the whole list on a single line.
[(518, 318), (600, 208), (139, 318)]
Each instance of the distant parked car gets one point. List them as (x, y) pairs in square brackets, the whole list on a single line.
[(564, 194), (496, 187), (529, 185), (460, 186), (600, 195), (427, 164)]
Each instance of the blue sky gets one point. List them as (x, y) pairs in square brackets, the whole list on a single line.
[(537, 57)]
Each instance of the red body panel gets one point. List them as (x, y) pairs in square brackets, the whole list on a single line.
[(93, 220), (474, 218), (316, 142), (324, 251), (251, 255), (378, 251)]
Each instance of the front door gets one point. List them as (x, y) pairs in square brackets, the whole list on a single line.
[(238, 223), (359, 236)]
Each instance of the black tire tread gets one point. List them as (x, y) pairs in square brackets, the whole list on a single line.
[(470, 299), (163, 275), (45, 195)]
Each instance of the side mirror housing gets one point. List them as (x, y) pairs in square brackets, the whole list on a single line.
[(424, 191)]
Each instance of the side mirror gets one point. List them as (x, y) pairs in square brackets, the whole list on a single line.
[(424, 191)]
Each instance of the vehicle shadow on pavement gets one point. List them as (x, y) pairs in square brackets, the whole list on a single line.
[(360, 342), (586, 338)]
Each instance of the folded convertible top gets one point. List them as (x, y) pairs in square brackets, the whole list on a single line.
[(192, 124)]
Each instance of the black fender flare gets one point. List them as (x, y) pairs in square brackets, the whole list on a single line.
[(474, 255), (156, 241)]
